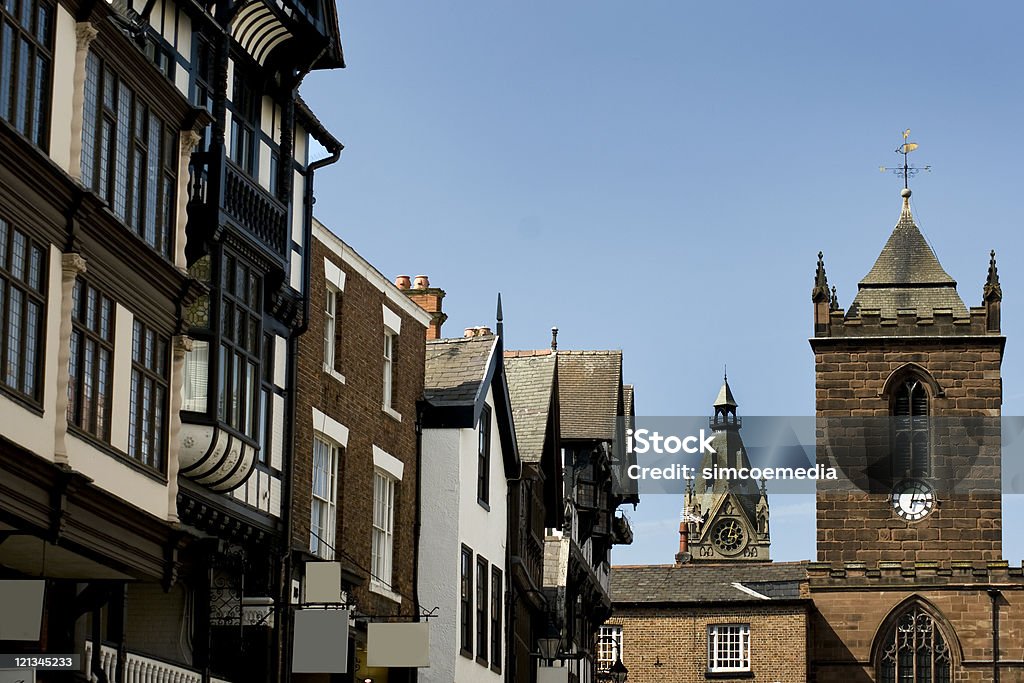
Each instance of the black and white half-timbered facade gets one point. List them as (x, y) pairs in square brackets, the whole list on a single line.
[(156, 173)]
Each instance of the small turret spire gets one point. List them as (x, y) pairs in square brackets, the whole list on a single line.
[(833, 304), (820, 290), (993, 292)]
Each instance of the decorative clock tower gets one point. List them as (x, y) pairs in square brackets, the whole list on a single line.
[(724, 520), (908, 392)]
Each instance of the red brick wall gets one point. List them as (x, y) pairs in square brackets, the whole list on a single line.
[(357, 404)]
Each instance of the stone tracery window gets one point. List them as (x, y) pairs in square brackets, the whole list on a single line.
[(914, 651)]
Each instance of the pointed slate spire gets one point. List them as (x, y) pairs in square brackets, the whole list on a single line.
[(499, 322), (907, 275), (993, 292), (725, 397)]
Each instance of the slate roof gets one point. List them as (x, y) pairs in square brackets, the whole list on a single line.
[(531, 379), (725, 397), (589, 385), (907, 275), (455, 368), (706, 583)]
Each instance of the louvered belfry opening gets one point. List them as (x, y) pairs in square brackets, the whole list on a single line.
[(911, 439)]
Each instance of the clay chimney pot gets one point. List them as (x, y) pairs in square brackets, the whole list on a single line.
[(403, 282), (422, 282)]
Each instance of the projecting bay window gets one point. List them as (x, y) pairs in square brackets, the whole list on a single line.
[(91, 365), (26, 62), (728, 648), (238, 363), (129, 155), (22, 302)]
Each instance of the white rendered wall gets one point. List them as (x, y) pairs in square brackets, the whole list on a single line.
[(486, 532), (439, 550)]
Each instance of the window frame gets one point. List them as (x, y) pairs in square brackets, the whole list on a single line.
[(382, 530), (717, 654), (27, 384), (466, 593), (388, 377), (332, 299), (497, 617), (234, 350), (941, 663), (38, 51), (609, 646), (482, 588), (483, 460), (245, 105), (135, 169), (149, 365), (83, 332), (324, 509)]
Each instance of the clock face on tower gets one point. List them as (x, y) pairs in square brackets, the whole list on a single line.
[(913, 500), (728, 537)]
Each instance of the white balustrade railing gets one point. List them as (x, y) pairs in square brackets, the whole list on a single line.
[(140, 669)]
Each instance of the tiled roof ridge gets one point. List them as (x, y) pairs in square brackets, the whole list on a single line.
[(589, 352), (528, 353), (454, 340)]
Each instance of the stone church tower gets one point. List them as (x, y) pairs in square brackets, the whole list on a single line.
[(908, 393), (724, 520)]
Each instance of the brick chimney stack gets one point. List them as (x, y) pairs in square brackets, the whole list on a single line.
[(426, 297)]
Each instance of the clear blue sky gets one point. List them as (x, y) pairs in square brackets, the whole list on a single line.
[(658, 176)]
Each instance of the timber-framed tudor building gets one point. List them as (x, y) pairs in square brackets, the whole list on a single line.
[(156, 181)]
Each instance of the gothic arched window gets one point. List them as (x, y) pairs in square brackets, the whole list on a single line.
[(911, 440), (914, 651)]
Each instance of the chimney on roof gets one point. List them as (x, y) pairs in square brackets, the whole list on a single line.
[(683, 556), (478, 331), (426, 297)]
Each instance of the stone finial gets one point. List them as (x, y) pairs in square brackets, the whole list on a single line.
[(554, 338), (833, 304), (992, 291), (820, 290)]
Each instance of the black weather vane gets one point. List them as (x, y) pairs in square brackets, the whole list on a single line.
[(906, 171)]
